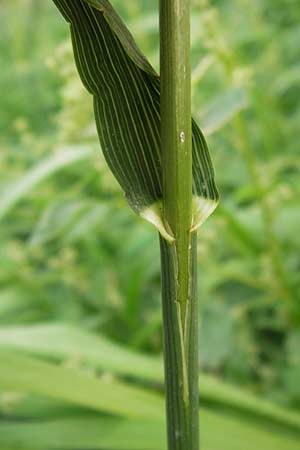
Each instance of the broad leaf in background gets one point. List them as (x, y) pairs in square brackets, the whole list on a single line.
[(124, 434), (25, 374), (84, 274), (126, 92), (66, 343), (137, 413), (223, 108), (39, 173)]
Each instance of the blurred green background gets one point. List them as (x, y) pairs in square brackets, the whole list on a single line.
[(72, 252)]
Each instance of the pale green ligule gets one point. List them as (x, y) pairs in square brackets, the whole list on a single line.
[(126, 92), (202, 209), (154, 215)]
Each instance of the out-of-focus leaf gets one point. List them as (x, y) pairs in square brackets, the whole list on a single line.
[(65, 342), (248, 403), (65, 157), (291, 376), (11, 300), (88, 221), (237, 433), (201, 69), (240, 231), (218, 341), (85, 432), (56, 219), (291, 372), (16, 405), (288, 79), (223, 109), (287, 223), (26, 374), (96, 432)]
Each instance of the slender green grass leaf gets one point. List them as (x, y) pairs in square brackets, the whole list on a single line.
[(54, 415), (14, 448), (201, 69), (37, 174), (126, 92), (226, 432), (66, 342), (58, 218), (11, 300), (86, 432), (26, 374), (223, 393), (223, 109), (17, 406), (96, 432), (241, 232)]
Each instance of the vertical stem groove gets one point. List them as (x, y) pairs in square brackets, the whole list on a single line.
[(178, 259), (181, 367)]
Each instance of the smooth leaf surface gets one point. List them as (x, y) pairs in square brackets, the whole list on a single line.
[(222, 110), (96, 432), (62, 341), (65, 342), (145, 409), (85, 432), (26, 374), (21, 405), (37, 174), (11, 300)]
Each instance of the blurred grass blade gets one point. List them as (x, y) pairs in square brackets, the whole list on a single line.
[(126, 92), (254, 408), (241, 232), (37, 174), (67, 342), (26, 374), (20, 405), (62, 341), (223, 109), (201, 69), (58, 218), (11, 300), (95, 432), (46, 417), (85, 432), (221, 430)]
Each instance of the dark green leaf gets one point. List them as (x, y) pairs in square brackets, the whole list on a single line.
[(126, 92)]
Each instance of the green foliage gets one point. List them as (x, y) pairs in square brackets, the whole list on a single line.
[(70, 251), (126, 99)]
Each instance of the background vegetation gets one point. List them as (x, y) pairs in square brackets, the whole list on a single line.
[(71, 251)]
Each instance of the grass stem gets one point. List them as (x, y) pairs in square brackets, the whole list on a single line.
[(178, 259)]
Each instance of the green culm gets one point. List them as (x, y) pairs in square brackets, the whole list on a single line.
[(159, 156)]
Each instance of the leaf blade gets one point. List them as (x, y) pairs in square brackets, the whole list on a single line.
[(126, 92), (37, 174), (26, 374), (64, 342)]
